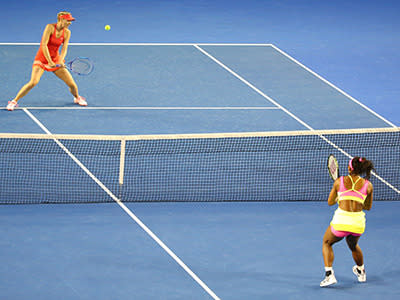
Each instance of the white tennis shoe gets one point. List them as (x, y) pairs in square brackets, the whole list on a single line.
[(360, 273), (80, 100), (328, 280), (12, 105)]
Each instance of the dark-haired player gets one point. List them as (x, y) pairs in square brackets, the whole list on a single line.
[(353, 194)]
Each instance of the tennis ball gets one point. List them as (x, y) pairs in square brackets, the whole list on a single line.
[(107, 27)]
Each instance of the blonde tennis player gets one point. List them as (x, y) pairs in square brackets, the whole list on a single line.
[(353, 195), (49, 59)]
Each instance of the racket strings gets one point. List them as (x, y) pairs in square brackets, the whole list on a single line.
[(333, 167), (82, 66)]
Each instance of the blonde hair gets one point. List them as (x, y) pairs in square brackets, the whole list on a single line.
[(62, 13)]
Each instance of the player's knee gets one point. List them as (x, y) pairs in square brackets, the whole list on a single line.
[(33, 82)]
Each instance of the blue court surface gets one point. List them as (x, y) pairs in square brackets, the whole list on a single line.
[(169, 85)]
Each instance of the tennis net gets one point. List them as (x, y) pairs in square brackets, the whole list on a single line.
[(260, 166)]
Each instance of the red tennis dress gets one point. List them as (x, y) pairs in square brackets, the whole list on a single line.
[(53, 45)]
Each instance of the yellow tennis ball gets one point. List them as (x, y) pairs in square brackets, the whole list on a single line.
[(107, 27)]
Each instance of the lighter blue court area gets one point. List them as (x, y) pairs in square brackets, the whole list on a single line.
[(164, 89)]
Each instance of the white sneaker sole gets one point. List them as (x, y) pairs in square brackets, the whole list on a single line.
[(328, 283), (359, 278)]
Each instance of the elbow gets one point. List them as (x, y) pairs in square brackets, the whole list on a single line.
[(330, 203), (367, 207)]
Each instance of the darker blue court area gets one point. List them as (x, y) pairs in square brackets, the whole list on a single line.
[(242, 250)]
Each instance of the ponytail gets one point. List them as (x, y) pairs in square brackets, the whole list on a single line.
[(361, 165)]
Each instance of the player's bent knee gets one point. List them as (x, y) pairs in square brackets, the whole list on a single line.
[(32, 83), (71, 84)]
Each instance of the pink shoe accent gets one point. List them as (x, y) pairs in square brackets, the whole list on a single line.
[(80, 100), (12, 105)]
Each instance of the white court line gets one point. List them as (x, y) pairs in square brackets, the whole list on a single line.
[(126, 209), (333, 86), (150, 108)]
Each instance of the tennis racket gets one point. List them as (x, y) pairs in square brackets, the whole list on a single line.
[(80, 66), (333, 167)]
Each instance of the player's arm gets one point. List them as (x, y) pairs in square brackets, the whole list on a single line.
[(45, 39), (368, 200), (64, 49), (333, 194)]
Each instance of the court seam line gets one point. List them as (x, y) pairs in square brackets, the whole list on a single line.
[(152, 108), (125, 208), (333, 86), (288, 112)]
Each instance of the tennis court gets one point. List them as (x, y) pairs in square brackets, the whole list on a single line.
[(186, 177), (212, 235)]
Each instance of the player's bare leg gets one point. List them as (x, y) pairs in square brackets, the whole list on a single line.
[(65, 76), (36, 74)]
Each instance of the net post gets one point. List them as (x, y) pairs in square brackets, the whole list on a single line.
[(121, 166)]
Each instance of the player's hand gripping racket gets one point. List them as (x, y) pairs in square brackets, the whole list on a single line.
[(333, 167), (80, 66)]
